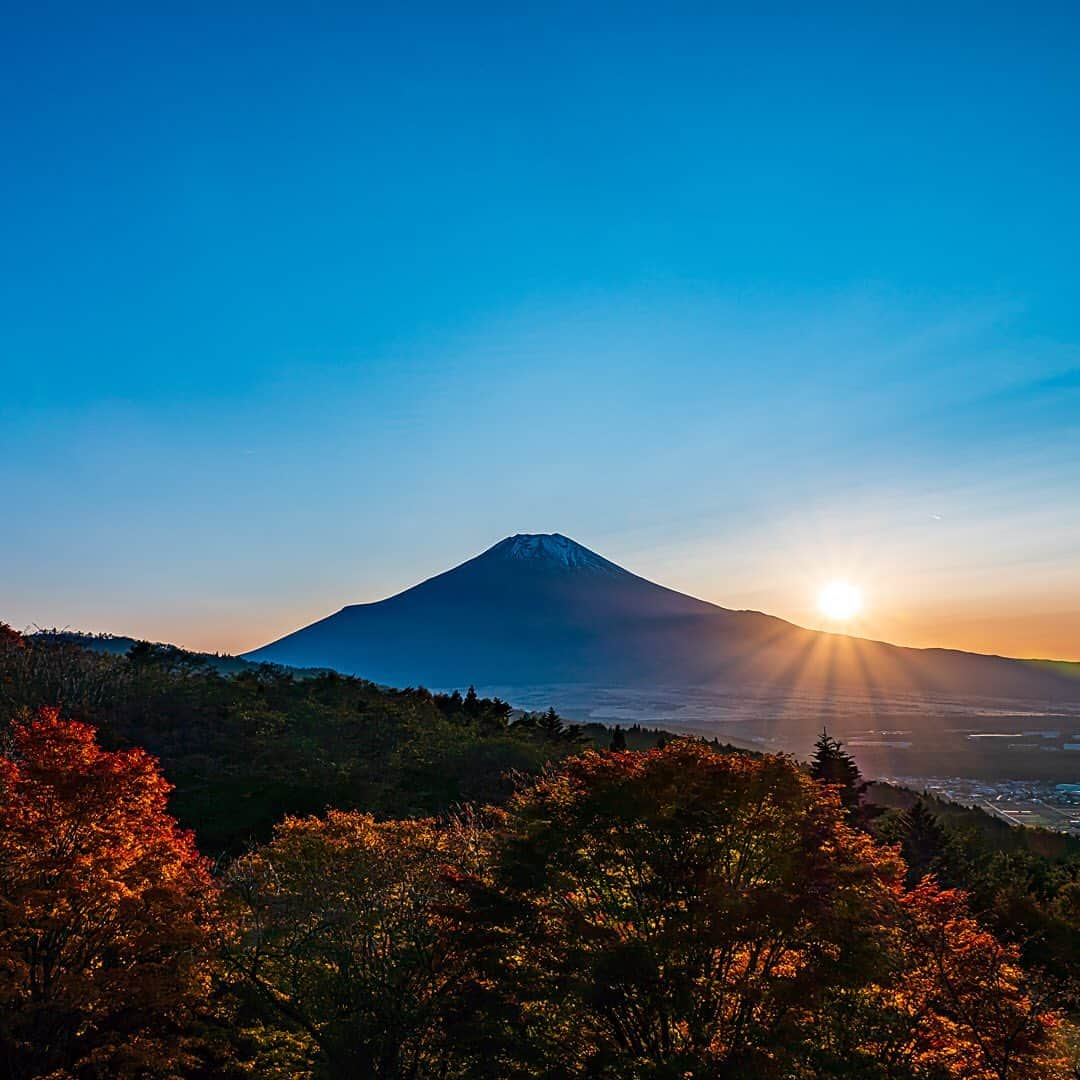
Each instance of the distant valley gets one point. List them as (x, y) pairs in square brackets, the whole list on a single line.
[(539, 619)]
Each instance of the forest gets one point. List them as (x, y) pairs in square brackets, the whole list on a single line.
[(213, 870)]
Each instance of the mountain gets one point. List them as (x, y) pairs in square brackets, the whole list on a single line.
[(542, 609)]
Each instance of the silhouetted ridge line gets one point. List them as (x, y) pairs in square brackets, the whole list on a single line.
[(540, 609)]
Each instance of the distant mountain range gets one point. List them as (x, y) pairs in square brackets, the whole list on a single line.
[(543, 609), (119, 645)]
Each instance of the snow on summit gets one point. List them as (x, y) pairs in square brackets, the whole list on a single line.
[(552, 548)]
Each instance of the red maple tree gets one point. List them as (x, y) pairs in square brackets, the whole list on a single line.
[(106, 908)]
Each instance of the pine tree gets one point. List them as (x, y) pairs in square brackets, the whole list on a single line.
[(833, 765), (618, 739), (494, 716), (550, 725), (924, 839), (471, 705)]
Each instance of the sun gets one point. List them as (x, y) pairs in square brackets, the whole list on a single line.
[(839, 601)]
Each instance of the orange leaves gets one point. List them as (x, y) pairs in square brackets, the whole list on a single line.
[(974, 1014), (342, 913), (678, 912), (684, 904), (686, 909), (107, 904)]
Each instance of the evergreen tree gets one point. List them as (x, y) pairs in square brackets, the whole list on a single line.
[(494, 716), (618, 739), (471, 704), (923, 838), (833, 765), (550, 725)]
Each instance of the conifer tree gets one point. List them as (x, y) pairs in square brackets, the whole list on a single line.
[(923, 838), (834, 766), (550, 725), (471, 705)]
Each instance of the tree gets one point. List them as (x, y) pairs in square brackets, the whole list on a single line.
[(923, 839), (471, 705), (675, 912), (618, 739), (686, 913), (52, 670), (340, 947), (247, 744), (551, 726), (495, 716), (977, 1014), (833, 765), (106, 915)]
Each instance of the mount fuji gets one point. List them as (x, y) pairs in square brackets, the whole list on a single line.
[(541, 609)]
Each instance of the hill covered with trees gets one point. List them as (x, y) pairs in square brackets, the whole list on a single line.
[(405, 884), (244, 744)]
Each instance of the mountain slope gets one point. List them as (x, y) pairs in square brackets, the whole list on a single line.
[(542, 609)]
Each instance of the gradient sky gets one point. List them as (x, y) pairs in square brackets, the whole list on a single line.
[(298, 310)]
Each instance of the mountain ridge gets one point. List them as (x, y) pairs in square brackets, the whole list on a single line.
[(540, 608)]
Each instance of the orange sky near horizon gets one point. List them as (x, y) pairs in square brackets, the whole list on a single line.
[(1045, 636), (1051, 635), (1044, 630)]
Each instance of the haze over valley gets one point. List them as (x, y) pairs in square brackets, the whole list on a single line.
[(542, 620)]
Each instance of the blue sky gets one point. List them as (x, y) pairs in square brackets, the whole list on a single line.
[(297, 310)]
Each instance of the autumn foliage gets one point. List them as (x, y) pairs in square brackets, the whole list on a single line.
[(686, 913), (679, 912), (104, 909), (338, 944)]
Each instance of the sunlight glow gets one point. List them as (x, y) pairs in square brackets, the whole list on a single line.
[(840, 601)]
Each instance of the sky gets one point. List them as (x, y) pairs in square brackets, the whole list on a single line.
[(299, 309)]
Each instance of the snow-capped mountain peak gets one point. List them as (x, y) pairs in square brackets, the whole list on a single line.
[(552, 548)]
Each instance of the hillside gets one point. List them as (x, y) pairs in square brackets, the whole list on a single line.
[(247, 749), (246, 744)]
